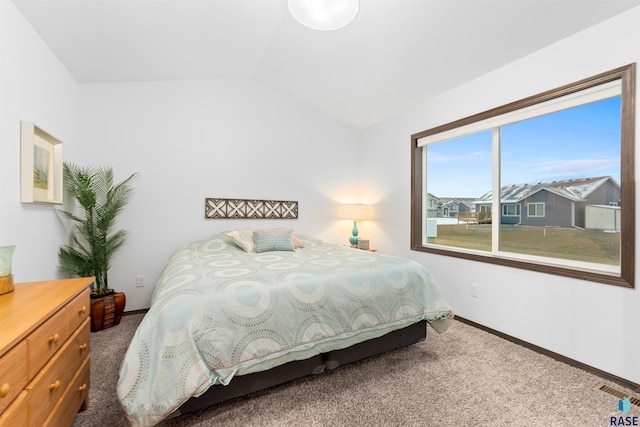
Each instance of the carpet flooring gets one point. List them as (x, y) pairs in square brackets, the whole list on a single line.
[(465, 377)]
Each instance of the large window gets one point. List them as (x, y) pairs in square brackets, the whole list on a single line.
[(545, 183)]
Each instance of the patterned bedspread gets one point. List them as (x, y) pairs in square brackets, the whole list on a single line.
[(218, 311)]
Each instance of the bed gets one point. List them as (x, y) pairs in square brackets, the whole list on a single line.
[(228, 319)]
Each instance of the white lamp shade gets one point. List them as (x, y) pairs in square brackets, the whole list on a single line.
[(324, 14), (356, 212)]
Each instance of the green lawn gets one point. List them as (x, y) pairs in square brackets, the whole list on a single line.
[(554, 242)]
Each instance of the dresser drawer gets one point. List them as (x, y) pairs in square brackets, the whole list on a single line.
[(52, 381), (75, 396), (45, 341), (18, 413), (78, 310), (13, 374)]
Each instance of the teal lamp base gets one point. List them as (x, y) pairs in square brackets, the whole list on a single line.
[(354, 238)]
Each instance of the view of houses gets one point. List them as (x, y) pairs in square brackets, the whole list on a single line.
[(582, 202)]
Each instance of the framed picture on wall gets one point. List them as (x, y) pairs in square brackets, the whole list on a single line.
[(40, 165)]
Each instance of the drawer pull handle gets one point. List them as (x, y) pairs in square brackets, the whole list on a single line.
[(4, 390), (83, 310), (82, 388), (55, 386), (83, 346), (53, 339)]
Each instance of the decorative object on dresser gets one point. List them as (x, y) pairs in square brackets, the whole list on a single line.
[(93, 242), (6, 278), (44, 352), (354, 213)]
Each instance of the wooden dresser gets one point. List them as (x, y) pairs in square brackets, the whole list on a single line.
[(44, 352)]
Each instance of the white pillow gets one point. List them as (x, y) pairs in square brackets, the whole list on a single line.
[(243, 238)]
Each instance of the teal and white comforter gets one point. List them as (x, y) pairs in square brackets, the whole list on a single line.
[(218, 311)]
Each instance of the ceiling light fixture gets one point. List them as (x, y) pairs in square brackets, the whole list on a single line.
[(324, 14)]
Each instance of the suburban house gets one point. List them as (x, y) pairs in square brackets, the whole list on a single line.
[(433, 204), (559, 203), (450, 207)]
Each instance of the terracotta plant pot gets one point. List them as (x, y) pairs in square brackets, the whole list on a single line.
[(106, 310)]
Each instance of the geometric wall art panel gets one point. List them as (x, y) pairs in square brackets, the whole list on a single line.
[(249, 209)]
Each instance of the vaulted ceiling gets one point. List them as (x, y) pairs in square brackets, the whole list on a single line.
[(394, 54)]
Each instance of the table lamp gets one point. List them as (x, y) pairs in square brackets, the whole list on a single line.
[(355, 212)]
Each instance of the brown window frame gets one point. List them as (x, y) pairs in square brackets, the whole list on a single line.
[(626, 278)]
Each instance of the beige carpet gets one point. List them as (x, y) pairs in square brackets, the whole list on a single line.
[(465, 377)]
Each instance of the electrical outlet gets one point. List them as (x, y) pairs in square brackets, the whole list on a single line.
[(139, 281), (474, 290)]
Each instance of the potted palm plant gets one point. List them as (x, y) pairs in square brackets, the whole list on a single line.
[(93, 240)]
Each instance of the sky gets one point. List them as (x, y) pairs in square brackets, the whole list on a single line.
[(579, 142)]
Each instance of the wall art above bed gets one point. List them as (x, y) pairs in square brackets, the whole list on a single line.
[(250, 209)]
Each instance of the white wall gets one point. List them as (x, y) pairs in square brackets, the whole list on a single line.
[(228, 138), (593, 323), (34, 87)]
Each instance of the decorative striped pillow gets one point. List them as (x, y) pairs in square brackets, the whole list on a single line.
[(273, 241)]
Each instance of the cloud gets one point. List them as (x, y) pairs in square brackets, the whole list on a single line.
[(577, 165), (437, 157)]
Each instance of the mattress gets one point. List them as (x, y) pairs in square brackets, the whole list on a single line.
[(218, 312)]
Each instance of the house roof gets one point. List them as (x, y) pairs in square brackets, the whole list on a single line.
[(457, 200), (573, 189)]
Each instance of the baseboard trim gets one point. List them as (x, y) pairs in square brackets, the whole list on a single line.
[(571, 362), (127, 313)]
